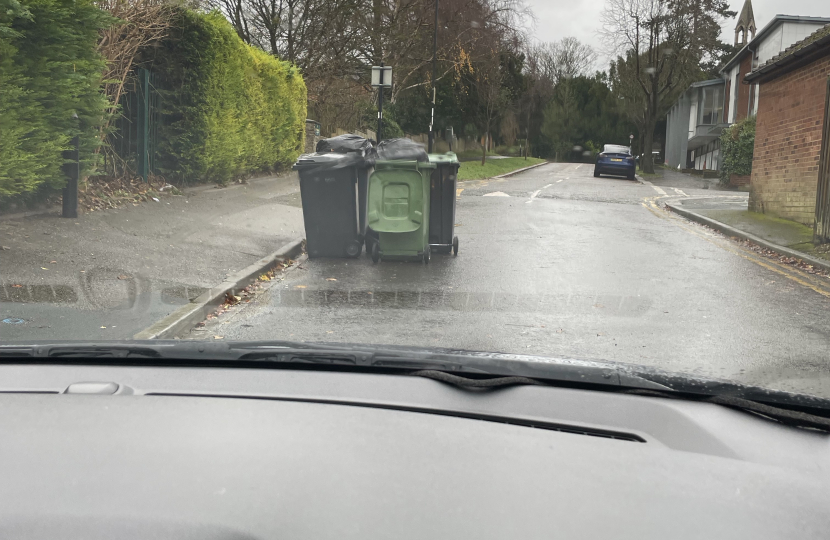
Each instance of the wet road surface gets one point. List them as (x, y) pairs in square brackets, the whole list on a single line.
[(556, 262)]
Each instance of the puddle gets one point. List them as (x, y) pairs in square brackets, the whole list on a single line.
[(621, 306)]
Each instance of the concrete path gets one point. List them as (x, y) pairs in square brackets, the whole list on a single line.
[(110, 274)]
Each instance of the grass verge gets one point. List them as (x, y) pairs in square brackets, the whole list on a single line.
[(471, 170)]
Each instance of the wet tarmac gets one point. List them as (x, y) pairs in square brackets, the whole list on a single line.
[(561, 263)]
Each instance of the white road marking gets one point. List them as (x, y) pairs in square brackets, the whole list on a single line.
[(679, 192), (559, 181), (533, 196), (659, 190), (547, 186), (496, 194)]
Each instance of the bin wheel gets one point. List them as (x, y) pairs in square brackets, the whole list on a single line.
[(375, 252), (427, 255), (354, 248), (455, 245)]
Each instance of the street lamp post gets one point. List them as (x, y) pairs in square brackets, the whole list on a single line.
[(434, 75), (381, 78)]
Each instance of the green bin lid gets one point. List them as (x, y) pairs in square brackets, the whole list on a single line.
[(404, 164), (444, 159)]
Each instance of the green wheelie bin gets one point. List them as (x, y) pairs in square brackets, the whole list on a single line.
[(442, 195), (398, 208)]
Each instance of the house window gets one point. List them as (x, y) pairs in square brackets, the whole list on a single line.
[(712, 105)]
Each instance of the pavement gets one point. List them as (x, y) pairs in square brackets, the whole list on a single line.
[(110, 274), (555, 262)]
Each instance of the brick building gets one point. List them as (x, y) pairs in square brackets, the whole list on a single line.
[(791, 140), (696, 120)]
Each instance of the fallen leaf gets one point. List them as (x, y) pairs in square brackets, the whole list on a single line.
[(300, 287), (103, 327), (331, 279), (218, 337), (42, 268), (17, 285), (123, 276), (53, 262)]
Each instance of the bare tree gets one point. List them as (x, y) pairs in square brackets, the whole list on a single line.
[(487, 79), (663, 43)]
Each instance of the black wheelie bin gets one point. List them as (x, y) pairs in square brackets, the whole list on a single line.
[(333, 190), (442, 195)]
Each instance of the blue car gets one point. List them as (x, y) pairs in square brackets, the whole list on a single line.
[(616, 160)]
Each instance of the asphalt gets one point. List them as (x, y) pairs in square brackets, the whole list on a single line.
[(555, 262), (111, 274)]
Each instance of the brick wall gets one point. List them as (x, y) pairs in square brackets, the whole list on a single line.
[(788, 143), (742, 105)]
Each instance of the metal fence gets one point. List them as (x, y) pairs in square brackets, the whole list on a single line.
[(135, 137)]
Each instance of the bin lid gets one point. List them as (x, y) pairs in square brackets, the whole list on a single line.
[(399, 150), (329, 160), (344, 144), (444, 159)]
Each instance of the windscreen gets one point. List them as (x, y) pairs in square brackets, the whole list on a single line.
[(233, 171)]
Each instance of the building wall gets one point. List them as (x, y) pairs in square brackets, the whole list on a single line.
[(788, 143), (706, 157), (769, 47), (677, 134), (732, 94), (742, 109)]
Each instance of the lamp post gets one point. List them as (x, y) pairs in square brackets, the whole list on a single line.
[(434, 75), (381, 77)]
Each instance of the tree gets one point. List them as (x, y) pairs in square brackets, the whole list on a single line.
[(563, 120), (335, 42), (663, 43), (546, 65), (50, 77)]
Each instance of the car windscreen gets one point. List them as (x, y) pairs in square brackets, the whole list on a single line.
[(615, 149)]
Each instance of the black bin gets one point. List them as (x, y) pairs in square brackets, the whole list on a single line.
[(442, 195), (353, 144), (334, 205)]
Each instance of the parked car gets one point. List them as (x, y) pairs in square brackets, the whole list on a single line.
[(616, 160)]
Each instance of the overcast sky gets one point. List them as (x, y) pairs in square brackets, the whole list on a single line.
[(556, 19)]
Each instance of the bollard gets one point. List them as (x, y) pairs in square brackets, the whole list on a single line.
[(72, 170)]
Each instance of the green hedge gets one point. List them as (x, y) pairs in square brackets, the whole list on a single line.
[(228, 109), (49, 70), (737, 144)]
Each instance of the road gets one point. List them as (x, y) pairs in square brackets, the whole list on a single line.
[(556, 262)]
